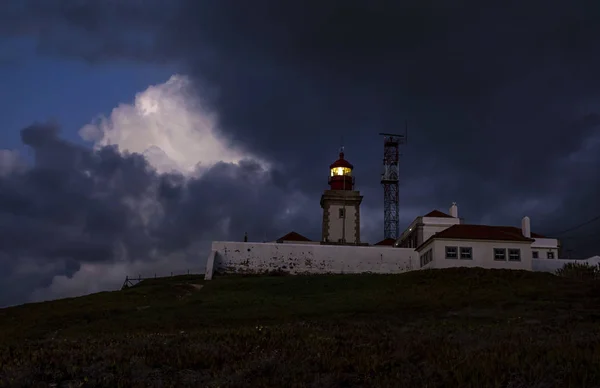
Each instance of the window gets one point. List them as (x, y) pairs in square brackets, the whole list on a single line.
[(426, 258), (500, 254), (535, 254), (466, 253), (338, 171), (342, 213), (514, 255), (550, 255), (451, 252)]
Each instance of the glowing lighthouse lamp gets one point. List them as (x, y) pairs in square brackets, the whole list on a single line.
[(341, 174)]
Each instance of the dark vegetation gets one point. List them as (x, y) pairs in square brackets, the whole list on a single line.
[(432, 328), (581, 271)]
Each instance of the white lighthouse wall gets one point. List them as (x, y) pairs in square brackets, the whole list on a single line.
[(336, 224), (241, 257)]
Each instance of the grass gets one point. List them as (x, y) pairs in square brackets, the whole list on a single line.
[(434, 328)]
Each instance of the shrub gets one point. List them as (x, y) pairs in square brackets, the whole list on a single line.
[(581, 271), (277, 272)]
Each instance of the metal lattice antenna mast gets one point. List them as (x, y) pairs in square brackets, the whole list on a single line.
[(389, 181)]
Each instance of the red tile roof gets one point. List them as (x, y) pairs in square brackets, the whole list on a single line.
[(293, 236), (437, 213), (387, 241), (479, 232), (514, 229)]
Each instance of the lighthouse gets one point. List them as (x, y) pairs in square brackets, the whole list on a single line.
[(341, 205)]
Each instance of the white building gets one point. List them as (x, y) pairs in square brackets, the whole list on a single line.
[(423, 227), (476, 246), (442, 241)]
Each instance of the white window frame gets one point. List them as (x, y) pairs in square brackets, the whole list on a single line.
[(514, 252), (535, 255), (455, 253), (468, 250), (497, 251), (548, 254)]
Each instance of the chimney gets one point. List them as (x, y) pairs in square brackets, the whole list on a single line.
[(454, 210), (526, 227)]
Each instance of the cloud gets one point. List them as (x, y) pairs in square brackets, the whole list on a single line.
[(169, 126), (11, 162), (75, 212), (97, 277)]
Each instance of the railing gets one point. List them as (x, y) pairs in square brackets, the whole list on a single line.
[(130, 281), (330, 178)]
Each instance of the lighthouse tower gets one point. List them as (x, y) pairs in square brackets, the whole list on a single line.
[(341, 205)]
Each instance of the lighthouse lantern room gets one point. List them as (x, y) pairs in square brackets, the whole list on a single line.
[(340, 177)]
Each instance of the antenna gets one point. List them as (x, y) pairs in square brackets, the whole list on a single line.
[(389, 181)]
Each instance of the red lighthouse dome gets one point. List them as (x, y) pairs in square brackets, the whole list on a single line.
[(340, 176)]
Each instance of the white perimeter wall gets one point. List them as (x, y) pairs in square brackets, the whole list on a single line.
[(240, 257), (551, 265)]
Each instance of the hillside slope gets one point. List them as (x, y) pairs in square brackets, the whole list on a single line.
[(454, 327)]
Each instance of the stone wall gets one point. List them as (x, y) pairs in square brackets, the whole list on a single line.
[(240, 257)]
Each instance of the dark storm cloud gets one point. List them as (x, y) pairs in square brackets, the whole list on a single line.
[(75, 206), (498, 94)]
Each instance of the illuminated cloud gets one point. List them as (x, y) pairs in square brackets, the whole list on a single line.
[(169, 126), (11, 162)]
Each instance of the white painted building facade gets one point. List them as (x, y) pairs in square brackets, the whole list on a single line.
[(545, 248), (424, 227), (474, 253), (442, 242)]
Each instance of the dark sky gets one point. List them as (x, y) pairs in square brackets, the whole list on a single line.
[(502, 101)]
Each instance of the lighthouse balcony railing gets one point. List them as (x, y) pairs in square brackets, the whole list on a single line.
[(345, 176)]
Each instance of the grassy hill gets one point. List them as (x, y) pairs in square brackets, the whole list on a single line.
[(435, 328)]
